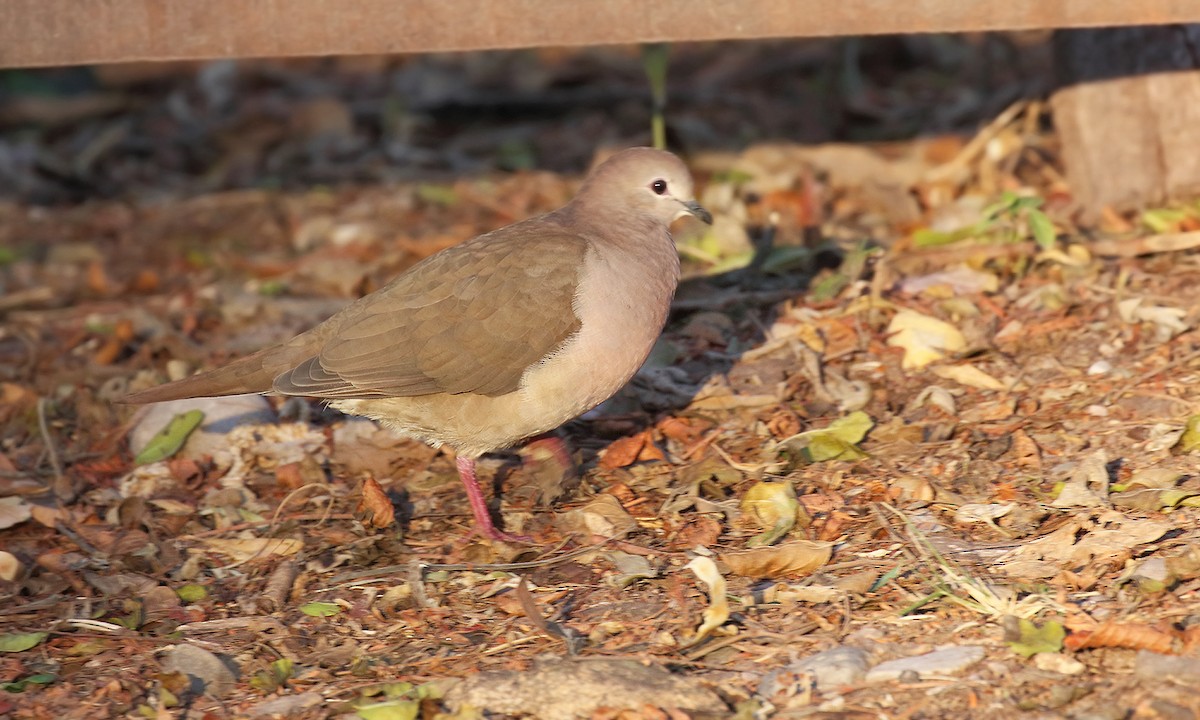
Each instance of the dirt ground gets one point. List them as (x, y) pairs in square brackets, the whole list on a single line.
[(916, 442)]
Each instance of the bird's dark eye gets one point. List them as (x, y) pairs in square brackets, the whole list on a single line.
[(659, 187)]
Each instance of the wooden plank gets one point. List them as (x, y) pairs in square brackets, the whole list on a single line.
[(67, 32), (1128, 115)]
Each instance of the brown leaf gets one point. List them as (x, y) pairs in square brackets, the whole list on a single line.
[(145, 282), (279, 585), (375, 508), (160, 602), (702, 530), (683, 430), (650, 452), (1133, 636), (1026, 451), (108, 352), (97, 279), (623, 452), (799, 557), (288, 475), (184, 469), (603, 516)]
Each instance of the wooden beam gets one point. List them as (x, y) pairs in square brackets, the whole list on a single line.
[(69, 32)]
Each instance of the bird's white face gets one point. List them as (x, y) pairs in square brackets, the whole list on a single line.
[(650, 182), (665, 191)]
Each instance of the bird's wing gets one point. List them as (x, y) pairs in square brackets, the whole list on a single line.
[(469, 319)]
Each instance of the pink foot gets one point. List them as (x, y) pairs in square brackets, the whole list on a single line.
[(483, 519)]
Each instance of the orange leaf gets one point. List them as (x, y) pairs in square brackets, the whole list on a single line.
[(375, 509), (683, 430), (288, 475), (650, 451), (623, 452), (1123, 635)]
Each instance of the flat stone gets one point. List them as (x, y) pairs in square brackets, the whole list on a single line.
[(830, 669), (287, 705), (207, 673), (943, 661), (559, 689), (221, 414), (1059, 663), (1153, 666)]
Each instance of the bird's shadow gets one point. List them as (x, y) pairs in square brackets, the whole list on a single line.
[(750, 296)]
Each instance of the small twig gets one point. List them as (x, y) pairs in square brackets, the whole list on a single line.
[(49, 441), (512, 644), (977, 144), (283, 503)]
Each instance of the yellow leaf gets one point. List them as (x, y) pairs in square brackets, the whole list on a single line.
[(924, 339), (970, 376), (773, 506)]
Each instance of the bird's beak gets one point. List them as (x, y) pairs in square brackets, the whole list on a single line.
[(693, 208)]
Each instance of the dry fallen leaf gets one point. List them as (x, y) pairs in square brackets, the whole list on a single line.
[(1111, 536), (717, 611), (243, 549), (10, 566), (603, 516), (772, 506), (924, 339), (374, 508), (970, 376), (622, 452), (13, 511), (799, 557), (1133, 636)]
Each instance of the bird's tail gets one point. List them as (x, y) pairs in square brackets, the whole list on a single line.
[(252, 374)]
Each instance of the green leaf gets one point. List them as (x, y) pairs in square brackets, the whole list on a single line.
[(1008, 203), (839, 441), (828, 286), (1032, 640), (274, 677), (1164, 220), (823, 448), (934, 238), (192, 593), (170, 439), (273, 287), (20, 685), (736, 178), (391, 710), (434, 194), (852, 428), (321, 609), (886, 578), (20, 642), (1041, 227)]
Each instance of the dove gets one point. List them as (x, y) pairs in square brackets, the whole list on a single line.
[(501, 338)]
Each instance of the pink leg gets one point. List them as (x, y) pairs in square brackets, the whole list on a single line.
[(479, 508)]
